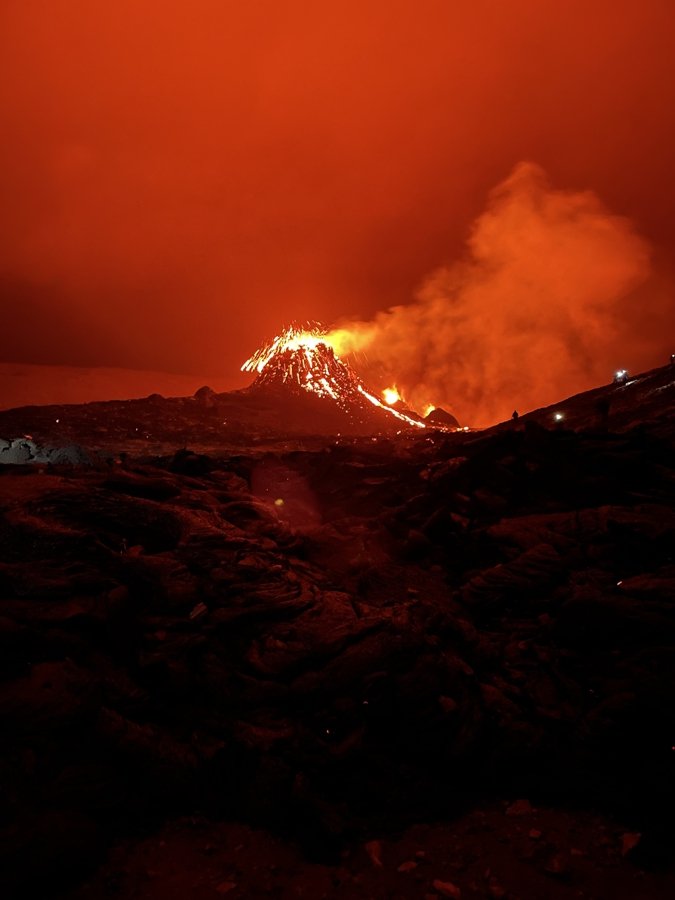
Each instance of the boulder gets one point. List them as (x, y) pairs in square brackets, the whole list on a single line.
[(442, 418)]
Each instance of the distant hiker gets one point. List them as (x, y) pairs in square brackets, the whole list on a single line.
[(602, 408), (514, 414), (672, 359)]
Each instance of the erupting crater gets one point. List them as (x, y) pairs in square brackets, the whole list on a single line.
[(303, 360)]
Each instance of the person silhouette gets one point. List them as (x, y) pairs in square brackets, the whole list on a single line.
[(602, 407), (514, 414)]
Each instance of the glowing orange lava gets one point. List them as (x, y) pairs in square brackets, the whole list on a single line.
[(292, 338), (306, 358), (391, 395)]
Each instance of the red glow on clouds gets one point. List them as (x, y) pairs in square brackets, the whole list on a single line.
[(180, 180)]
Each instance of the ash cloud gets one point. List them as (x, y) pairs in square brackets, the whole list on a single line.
[(539, 308)]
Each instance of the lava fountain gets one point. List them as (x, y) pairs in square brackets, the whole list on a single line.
[(304, 359)]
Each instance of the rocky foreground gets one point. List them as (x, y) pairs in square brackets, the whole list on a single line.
[(416, 667)]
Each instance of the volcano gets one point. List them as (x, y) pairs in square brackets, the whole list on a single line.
[(299, 362)]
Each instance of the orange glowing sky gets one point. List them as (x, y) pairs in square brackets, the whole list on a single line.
[(179, 180)]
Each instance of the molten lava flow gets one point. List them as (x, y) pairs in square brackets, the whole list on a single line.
[(304, 359), (290, 339), (429, 408), (394, 412), (391, 395)]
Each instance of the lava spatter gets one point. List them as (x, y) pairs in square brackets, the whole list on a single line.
[(304, 360)]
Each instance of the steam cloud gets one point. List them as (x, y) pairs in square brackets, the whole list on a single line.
[(537, 310)]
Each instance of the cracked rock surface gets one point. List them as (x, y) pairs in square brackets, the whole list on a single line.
[(333, 645)]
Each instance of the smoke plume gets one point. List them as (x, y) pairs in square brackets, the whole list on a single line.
[(537, 310)]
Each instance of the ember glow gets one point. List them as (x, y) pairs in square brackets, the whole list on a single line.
[(304, 358)]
